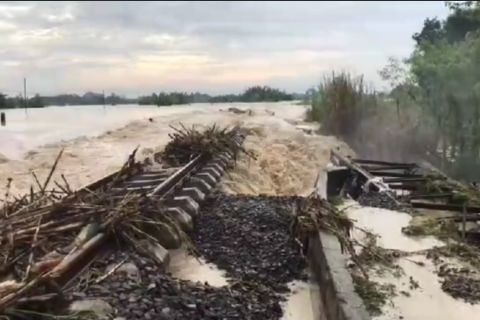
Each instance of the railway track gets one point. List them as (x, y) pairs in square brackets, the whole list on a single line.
[(177, 191)]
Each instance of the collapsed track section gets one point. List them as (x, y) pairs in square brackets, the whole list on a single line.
[(61, 240)]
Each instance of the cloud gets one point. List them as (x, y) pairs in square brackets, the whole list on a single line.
[(137, 47)]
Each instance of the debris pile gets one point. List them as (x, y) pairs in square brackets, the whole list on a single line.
[(50, 232), (186, 143)]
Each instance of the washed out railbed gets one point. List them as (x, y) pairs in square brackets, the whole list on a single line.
[(248, 238), (256, 241), (424, 237)]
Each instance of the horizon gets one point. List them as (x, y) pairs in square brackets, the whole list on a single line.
[(135, 49)]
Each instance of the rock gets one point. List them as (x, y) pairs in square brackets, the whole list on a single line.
[(100, 308), (129, 269), (269, 256), (380, 200)]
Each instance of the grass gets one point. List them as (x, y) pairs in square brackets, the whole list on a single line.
[(340, 101), (373, 294)]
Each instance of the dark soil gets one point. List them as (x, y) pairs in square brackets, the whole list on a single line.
[(460, 283), (381, 200)]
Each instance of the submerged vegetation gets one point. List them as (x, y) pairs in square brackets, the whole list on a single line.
[(432, 111)]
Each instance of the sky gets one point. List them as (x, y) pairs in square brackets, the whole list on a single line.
[(135, 48)]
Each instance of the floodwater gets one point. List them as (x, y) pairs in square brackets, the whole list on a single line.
[(186, 267), (97, 142), (388, 225), (429, 302), (302, 302), (39, 126)]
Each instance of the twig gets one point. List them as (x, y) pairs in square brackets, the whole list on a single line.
[(67, 185), (34, 244), (36, 180), (51, 171), (61, 188), (109, 273)]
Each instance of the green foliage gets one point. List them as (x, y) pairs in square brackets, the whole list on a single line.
[(252, 94), (3, 101), (258, 93), (373, 294), (432, 32), (36, 102), (448, 75), (464, 18)]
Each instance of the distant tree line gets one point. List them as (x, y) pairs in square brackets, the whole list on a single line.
[(7, 102), (37, 101), (252, 94)]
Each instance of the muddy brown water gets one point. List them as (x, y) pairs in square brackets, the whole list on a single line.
[(302, 302), (429, 302)]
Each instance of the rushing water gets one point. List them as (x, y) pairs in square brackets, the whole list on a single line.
[(40, 126)]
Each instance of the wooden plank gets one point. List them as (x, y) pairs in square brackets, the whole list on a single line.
[(382, 173), (432, 196), (392, 167), (402, 186), (397, 180), (383, 163), (443, 207)]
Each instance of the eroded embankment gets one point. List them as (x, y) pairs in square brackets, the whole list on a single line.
[(288, 163), (253, 259), (412, 277)]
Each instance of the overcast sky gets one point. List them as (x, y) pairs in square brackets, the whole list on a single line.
[(216, 47)]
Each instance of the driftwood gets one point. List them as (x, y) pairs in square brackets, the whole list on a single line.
[(37, 231), (187, 143), (48, 234)]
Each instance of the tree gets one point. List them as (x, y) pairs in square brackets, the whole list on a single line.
[(3, 101), (464, 19), (36, 102), (432, 32), (396, 75)]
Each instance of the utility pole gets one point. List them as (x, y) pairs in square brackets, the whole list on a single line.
[(25, 95)]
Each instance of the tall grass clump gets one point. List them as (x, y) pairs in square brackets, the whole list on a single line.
[(347, 108), (340, 103)]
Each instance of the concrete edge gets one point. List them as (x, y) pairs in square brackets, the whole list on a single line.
[(328, 263)]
